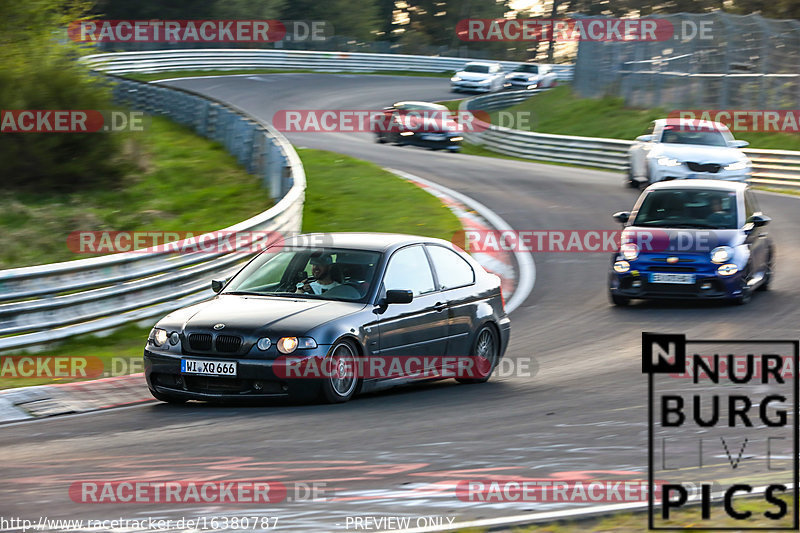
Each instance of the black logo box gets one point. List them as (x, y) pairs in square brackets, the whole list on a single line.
[(677, 365)]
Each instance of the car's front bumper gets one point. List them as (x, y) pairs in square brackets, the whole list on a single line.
[(256, 378), (708, 284), (433, 140), (470, 86), (521, 84), (661, 173)]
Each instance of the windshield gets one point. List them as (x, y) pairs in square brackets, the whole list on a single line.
[(676, 135), (688, 208), (484, 69), (321, 273), (533, 69)]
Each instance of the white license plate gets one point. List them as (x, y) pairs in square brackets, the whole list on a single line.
[(208, 368), (664, 277), (434, 137)]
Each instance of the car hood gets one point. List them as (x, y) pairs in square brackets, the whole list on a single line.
[(474, 76), (699, 153), (677, 241), (259, 314)]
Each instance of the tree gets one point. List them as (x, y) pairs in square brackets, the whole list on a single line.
[(361, 22)]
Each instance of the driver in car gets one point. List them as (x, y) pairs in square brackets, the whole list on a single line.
[(321, 278)]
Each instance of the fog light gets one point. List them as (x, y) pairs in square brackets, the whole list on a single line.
[(263, 344), (174, 338), (636, 284), (705, 286), (621, 267), (728, 270)]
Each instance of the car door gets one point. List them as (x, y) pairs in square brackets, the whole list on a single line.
[(456, 279), (418, 328)]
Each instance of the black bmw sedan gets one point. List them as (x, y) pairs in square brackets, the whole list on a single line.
[(333, 315)]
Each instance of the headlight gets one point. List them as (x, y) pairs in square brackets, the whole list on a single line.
[(668, 162), (455, 78), (160, 336), (721, 254), (728, 270), (263, 344), (621, 267), (174, 338), (290, 344), (629, 251), (457, 138), (739, 165), (406, 133)]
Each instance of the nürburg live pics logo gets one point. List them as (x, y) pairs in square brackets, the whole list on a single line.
[(722, 433)]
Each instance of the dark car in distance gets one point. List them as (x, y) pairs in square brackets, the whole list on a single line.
[(421, 124), (697, 239), (331, 300)]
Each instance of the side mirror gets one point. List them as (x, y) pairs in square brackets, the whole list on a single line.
[(738, 144), (622, 216), (644, 138), (217, 284), (759, 220), (396, 296)]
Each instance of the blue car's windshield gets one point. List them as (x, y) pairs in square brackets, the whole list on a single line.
[(688, 208), (321, 273)]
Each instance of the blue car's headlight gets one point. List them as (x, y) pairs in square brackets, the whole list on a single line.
[(629, 251), (728, 269), (620, 267), (721, 254)]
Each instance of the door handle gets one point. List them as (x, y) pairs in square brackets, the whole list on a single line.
[(440, 306)]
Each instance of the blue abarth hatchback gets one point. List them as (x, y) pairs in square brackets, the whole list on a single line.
[(701, 239)]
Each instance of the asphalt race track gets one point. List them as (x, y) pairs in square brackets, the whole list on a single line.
[(581, 415)]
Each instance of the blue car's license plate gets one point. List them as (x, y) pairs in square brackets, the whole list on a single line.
[(670, 277)]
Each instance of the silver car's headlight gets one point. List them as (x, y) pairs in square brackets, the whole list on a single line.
[(668, 162), (455, 78), (739, 165), (721, 254)]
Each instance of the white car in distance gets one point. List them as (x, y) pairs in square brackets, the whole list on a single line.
[(531, 76), (479, 76), (686, 149)]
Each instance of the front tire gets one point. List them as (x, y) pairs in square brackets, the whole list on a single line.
[(341, 380), (485, 354), (768, 274)]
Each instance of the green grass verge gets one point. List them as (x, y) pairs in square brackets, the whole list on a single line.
[(195, 73), (344, 194), (176, 181)]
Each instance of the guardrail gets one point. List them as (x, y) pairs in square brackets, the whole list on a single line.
[(54, 301), (236, 59), (777, 168)]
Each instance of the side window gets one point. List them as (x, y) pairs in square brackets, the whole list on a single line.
[(750, 206), (452, 270), (409, 270)]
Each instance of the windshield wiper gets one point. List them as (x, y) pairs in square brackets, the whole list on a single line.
[(246, 293)]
